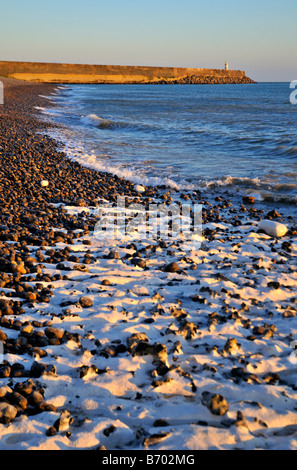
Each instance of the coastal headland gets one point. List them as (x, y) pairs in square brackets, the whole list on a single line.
[(117, 74)]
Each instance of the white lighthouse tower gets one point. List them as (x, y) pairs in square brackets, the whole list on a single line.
[(226, 65)]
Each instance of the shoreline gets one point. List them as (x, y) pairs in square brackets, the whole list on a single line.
[(116, 349)]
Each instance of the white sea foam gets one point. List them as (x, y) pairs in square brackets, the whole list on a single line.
[(251, 186), (91, 119), (92, 161), (47, 97)]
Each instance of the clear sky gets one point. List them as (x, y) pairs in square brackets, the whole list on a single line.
[(258, 36)]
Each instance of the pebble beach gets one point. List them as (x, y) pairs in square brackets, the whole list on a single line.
[(136, 344)]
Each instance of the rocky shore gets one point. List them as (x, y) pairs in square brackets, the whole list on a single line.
[(207, 80), (136, 344)]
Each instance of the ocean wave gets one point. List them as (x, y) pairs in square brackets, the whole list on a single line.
[(96, 121), (143, 166), (101, 123), (92, 120), (272, 196), (92, 161), (230, 181), (288, 151), (256, 187), (259, 188), (78, 153)]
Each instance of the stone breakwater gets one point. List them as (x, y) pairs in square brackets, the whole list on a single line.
[(134, 344), (78, 73), (211, 79)]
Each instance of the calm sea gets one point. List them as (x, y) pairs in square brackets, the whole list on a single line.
[(238, 138)]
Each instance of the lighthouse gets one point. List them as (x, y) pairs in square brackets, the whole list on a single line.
[(226, 65)]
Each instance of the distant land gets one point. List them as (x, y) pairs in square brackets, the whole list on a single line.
[(117, 74)]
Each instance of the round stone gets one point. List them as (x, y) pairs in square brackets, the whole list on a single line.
[(86, 302), (7, 413)]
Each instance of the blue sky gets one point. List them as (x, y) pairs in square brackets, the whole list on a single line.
[(259, 37)]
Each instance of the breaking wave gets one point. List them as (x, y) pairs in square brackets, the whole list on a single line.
[(176, 137)]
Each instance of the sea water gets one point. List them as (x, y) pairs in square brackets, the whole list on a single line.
[(239, 139)]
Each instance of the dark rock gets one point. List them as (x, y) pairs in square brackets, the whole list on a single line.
[(51, 431), (25, 388), (35, 398), (86, 302), (5, 371), (17, 370), (3, 336), (271, 378), (272, 215), (155, 439), (248, 200), (159, 423), (16, 399), (171, 268), (216, 403), (141, 263), (63, 422), (113, 255), (54, 333), (37, 369), (273, 284), (109, 430)]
